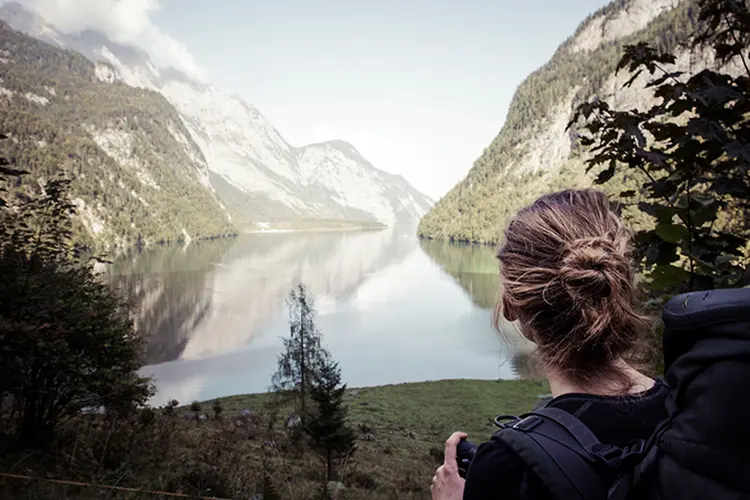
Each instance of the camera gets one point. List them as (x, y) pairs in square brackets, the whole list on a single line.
[(465, 452)]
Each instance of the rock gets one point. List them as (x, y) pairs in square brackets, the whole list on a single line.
[(354, 394), (246, 413), (202, 416), (368, 437), (335, 489), (292, 421)]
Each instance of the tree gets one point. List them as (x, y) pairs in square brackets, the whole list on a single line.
[(66, 341), (303, 354), (691, 149), (326, 424)]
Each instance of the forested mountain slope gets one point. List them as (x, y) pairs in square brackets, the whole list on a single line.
[(533, 153), (136, 171), (261, 178)]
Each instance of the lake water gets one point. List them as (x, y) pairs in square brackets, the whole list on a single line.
[(392, 309)]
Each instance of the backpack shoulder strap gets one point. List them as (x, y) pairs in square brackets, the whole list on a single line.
[(564, 454)]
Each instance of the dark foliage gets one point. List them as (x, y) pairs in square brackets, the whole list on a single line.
[(66, 343), (303, 356), (693, 151), (326, 425)]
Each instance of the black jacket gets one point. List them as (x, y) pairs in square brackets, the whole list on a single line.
[(497, 473), (704, 450)]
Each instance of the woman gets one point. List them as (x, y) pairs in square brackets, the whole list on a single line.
[(566, 279)]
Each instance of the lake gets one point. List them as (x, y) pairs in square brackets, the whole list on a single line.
[(392, 309)]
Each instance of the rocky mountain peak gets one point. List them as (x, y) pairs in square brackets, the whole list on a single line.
[(256, 171)]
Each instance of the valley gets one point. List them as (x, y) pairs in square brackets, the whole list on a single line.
[(184, 160)]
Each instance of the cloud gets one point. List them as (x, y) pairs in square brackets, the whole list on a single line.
[(124, 21)]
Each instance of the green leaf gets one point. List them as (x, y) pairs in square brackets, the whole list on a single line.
[(607, 174), (704, 214), (673, 233), (665, 214), (667, 276)]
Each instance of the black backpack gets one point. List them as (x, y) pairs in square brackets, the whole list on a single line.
[(701, 451)]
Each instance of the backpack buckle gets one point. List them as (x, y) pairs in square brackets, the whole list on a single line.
[(527, 423), (634, 450), (615, 456), (610, 455)]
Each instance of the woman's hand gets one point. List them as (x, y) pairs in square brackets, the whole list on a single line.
[(446, 483)]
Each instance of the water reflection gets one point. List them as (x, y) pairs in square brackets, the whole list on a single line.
[(475, 268), (214, 297), (168, 291), (391, 309)]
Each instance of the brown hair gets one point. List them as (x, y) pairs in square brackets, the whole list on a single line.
[(567, 278)]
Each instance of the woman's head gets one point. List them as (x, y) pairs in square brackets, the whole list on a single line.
[(567, 278)]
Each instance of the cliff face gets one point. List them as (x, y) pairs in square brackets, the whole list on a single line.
[(258, 175), (533, 153), (136, 172), (170, 157)]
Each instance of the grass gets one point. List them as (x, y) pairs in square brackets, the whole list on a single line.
[(401, 428)]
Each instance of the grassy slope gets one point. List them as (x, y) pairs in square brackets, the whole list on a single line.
[(410, 423), (219, 458)]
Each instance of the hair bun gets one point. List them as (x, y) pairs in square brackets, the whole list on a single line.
[(587, 265)]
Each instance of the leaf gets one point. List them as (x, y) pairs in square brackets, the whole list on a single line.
[(12, 171), (666, 253), (673, 233), (658, 81), (730, 187), (704, 215), (607, 174), (667, 276), (632, 78)]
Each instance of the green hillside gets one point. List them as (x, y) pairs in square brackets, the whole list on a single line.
[(476, 209), (136, 171)]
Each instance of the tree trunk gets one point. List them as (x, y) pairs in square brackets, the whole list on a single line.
[(302, 369), (329, 464)]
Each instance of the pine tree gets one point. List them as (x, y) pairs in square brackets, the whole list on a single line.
[(303, 354), (326, 425), (269, 489)]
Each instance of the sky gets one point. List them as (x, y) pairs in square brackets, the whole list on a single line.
[(419, 87)]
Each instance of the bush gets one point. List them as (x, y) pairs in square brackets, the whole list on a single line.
[(68, 344)]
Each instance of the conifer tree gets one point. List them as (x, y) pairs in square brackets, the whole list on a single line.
[(303, 354), (326, 424)]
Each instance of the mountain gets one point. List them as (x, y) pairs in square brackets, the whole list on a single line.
[(137, 173), (533, 153), (261, 179)]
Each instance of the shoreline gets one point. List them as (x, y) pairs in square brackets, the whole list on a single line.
[(412, 387)]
